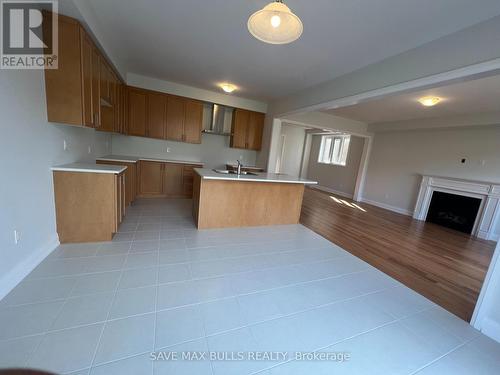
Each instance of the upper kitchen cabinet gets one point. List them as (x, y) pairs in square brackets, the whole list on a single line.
[(176, 111), (184, 119), (157, 115), (247, 129), (75, 91), (193, 121), (137, 110)]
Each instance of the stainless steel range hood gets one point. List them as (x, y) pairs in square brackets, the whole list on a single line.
[(217, 119)]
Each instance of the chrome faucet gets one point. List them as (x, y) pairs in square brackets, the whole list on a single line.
[(239, 167)]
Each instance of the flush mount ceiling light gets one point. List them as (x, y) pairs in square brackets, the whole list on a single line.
[(228, 87), (429, 101), (275, 24)]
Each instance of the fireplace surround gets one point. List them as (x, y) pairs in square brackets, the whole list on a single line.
[(487, 193)]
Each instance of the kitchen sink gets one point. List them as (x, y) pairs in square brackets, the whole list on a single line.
[(226, 171)]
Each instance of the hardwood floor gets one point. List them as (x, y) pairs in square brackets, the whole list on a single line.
[(446, 266)]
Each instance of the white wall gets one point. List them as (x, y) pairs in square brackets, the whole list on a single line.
[(336, 178), (29, 146), (214, 150), (292, 152), (486, 316), (193, 92), (398, 159)]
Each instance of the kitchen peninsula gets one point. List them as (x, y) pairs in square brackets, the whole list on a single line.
[(222, 200)]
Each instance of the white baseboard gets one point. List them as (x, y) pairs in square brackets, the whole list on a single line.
[(491, 329), (19, 272), (388, 207), (328, 190)]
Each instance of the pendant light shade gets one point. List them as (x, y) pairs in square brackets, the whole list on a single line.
[(275, 24)]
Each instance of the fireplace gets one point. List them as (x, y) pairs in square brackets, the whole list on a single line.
[(470, 206), (453, 211)]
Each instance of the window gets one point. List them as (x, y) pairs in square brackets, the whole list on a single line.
[(334, 149)]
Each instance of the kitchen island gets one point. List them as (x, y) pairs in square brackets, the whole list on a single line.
[(229, 200)]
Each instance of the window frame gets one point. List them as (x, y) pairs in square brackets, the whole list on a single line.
[(330, 153)]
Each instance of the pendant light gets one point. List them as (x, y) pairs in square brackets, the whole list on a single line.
[(275, 24)]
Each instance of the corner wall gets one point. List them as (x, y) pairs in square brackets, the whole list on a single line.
[(29, 146)]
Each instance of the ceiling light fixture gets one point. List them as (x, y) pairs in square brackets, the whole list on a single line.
[(275, 24), (228, 87), (429, 101)]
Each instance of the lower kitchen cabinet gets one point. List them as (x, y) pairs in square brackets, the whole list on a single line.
[(150, 178), (169, 180), (130, 179), (89, 206)]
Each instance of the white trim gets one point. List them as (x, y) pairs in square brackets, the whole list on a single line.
[(398, 210), (363, 169), (332, 191), (19, 272), (486, 296), (491, 329)]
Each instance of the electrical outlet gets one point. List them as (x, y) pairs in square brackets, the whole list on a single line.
[(90, 149), (168, 149), (17, 236), (65, 145)]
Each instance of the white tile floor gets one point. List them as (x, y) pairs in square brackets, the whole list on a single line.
[(163, 286)]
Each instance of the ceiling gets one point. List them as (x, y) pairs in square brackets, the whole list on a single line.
[(471, 97), (201, 43)]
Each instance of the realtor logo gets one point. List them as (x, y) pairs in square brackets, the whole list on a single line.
[(29, 37)]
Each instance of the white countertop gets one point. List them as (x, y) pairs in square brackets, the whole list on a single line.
[(209, 174), (89, 168), (135, 159)]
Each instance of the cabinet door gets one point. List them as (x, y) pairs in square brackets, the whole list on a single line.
[(173, 185), (193, 121), (157, 115), (96, 87), (118, 106), (151, 178), (241, 119), (63, 86), (175, 118), (254, 130), (105, 80), (137, 116), (87, 47)]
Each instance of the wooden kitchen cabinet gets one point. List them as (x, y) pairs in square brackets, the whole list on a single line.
[(150, 178), (130, 178), (255, 130), (173, 185), (247, 129), (89, 206), (74, 90), (63, 86), (239, 129), (87, 80), (165, 179), (176, 107), (157, 115), (193, 121), (96, 87), (137, 112)]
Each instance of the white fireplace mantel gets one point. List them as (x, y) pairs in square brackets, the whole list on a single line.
[(488, 192)]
